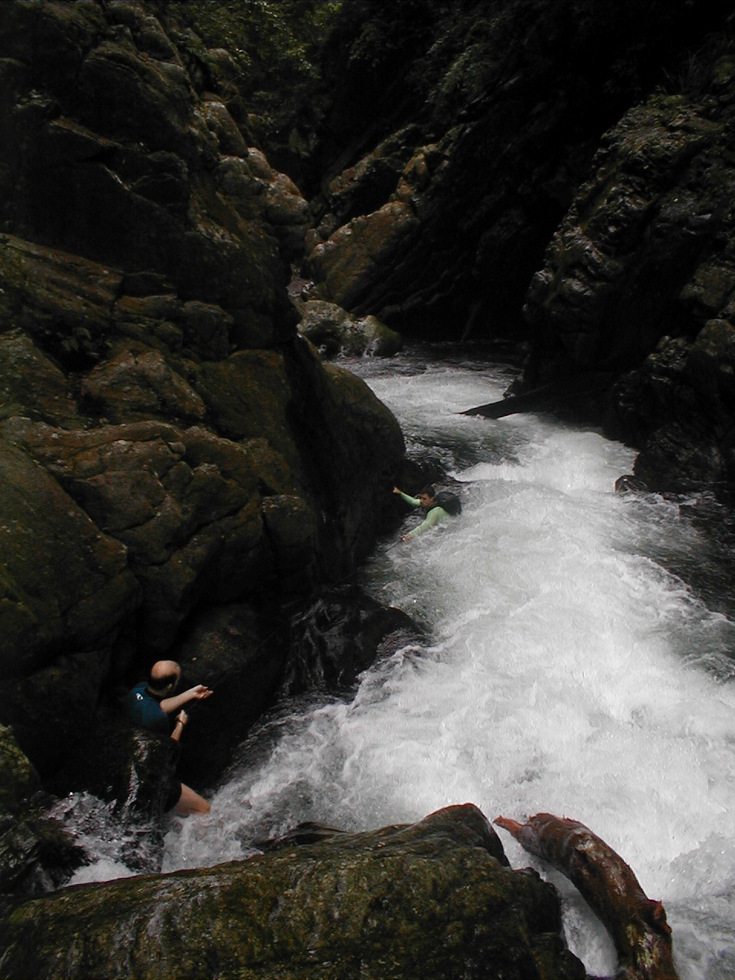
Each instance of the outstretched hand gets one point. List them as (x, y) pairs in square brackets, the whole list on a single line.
[(199, 692)]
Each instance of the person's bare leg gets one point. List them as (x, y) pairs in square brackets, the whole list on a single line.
[(190, 802)]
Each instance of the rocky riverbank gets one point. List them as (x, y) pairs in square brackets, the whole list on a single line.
[(183, 474), (177, 462)]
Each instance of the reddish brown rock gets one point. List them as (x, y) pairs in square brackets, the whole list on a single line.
[(637, 925)]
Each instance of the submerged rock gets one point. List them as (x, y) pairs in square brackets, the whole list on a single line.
[(341, 633)]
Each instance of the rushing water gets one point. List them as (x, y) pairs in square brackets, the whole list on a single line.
[(569, 670)]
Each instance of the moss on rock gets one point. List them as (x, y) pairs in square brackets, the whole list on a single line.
[(429, 900)]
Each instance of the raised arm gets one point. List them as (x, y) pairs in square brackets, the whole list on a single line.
[(196, 693), (413, 501)]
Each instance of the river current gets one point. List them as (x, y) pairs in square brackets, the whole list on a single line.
[(571, 668)]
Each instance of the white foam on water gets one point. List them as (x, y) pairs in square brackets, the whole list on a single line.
[(564, 674)]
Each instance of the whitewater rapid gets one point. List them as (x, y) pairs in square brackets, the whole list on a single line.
[(568, 670)]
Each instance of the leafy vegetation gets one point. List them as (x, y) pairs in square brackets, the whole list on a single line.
[(712, 63), (271, 78), (269, 40)]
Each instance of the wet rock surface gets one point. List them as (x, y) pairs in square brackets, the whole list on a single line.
[(172, 451), (638, 282), (36, 853), (432, 899), (477, 126), (334, 331), (180, 468), (341, 633)]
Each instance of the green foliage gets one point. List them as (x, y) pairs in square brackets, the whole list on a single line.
[(712, 63), (268, 39)]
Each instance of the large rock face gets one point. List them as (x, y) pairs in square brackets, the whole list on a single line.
[(640, 276), (464, 132), (172, 452), (111, 153), (459, 140), (431, 900)]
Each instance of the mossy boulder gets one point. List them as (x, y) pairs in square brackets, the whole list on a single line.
[(434, 899), (333, 331), (116, 159), (45, 530)]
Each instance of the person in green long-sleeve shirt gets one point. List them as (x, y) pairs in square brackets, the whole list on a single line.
[(428, 502)]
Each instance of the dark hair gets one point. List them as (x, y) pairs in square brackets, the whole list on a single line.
[(430, 491)]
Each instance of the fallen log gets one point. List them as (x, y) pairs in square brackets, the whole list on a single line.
[(529, 401), (637, 925), (546, 397)]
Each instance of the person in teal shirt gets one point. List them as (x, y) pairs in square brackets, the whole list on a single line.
[(154, 705), (427, 500)]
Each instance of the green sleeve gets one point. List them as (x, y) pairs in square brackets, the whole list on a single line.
[(413, 501), (435, 515)]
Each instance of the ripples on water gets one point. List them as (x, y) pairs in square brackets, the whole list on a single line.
[(569, 670)]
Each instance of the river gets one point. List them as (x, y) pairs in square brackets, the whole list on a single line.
[(571, 669)]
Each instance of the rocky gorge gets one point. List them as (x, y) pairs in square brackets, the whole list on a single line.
[(187, 474)]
